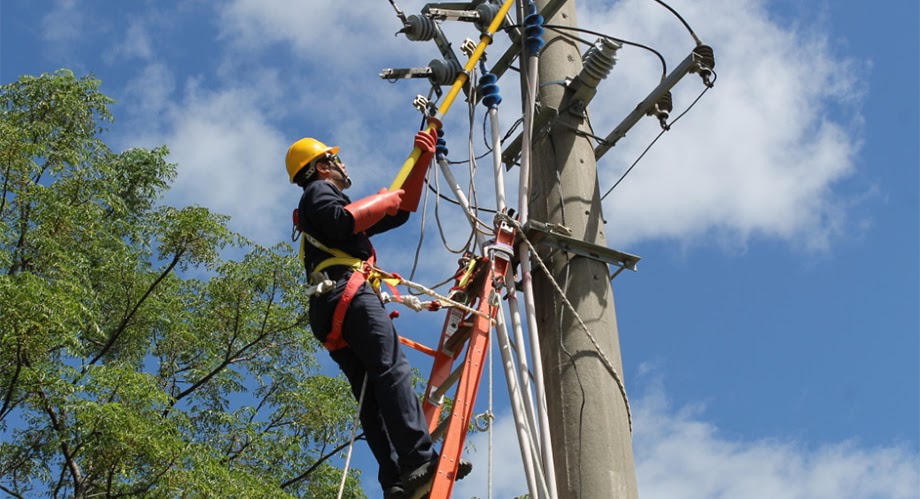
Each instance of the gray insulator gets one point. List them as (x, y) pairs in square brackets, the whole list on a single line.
[(419, 28), (600, 59), (487, 12), (444, 72)]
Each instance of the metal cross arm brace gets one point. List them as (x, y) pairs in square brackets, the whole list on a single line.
[(438, 72), (541, 233), (399, 73), (452, 15), (549, 10), (481, 12), (693, 63)]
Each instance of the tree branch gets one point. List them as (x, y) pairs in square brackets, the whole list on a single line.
[(11, 492), (322, 459), (8, 398), (124, 323), (72, 465)]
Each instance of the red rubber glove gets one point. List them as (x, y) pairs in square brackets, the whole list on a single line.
[(370, 210), (415, 182)]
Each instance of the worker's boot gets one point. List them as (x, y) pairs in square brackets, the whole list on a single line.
[(464, 468), (395, 492), (421, 477)]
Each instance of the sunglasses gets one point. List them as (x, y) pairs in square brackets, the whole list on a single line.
[(333, 158)]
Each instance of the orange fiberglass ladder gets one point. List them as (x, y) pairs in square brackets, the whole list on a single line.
[(478, 283)]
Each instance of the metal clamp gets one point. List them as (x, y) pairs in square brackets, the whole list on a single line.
[(320, 284)]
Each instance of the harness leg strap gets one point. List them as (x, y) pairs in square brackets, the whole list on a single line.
[(334, 339)]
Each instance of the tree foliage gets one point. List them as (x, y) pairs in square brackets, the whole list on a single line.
[(133, 359)]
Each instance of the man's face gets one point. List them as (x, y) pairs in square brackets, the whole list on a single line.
[(337, 171)]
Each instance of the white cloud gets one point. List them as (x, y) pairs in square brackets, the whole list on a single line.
[(151, 94), (321, 33), (64, 23), (680, 455), (760, 154), (230, 160), (136, 43)]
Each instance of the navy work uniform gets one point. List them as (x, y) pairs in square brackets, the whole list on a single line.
[(391, 414)]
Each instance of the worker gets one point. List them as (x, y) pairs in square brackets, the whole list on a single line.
[(350, 319)]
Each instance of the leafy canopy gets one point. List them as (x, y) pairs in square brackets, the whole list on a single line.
[(120, 374)]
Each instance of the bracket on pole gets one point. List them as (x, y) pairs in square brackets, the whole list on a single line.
[(545, 234), (512, 152), (453, 15), (400, 73)]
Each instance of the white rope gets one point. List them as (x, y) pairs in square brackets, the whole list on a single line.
[(410, 301), (445, 301), (491, 416), (354, 434)]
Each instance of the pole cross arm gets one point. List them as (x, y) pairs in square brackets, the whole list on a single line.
[(453, 15), (688, 65), (541, 233), (399, 73)]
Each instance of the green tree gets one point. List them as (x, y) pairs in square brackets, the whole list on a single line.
[(122, 370)]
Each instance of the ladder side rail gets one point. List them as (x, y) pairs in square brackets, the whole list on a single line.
[(441, 368), (465, 397)]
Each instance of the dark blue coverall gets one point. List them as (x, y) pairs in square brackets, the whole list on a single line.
[(391, 415)]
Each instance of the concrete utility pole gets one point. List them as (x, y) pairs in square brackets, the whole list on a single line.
[(588, 414)]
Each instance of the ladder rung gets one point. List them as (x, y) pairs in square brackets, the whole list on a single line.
[(440, 430), (449, 382), (417, 346), (458, 338)]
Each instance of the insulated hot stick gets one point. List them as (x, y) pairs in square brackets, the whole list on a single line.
[(434, 122)]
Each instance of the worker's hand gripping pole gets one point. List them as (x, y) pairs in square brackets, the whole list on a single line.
[(461, 80), (400, 181), (415, 182)]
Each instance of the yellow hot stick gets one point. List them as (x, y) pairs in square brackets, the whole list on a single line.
[(461, 80)]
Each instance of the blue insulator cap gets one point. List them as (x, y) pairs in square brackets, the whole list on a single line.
[(440, 149), (533, 32), (490, 90)]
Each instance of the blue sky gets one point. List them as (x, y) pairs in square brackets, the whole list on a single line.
[(771, 337)]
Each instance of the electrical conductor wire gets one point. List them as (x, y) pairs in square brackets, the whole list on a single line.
[(679, 116)]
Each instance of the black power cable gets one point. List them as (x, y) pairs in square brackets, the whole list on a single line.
[(559, 29), (695, 38), (681, 115)]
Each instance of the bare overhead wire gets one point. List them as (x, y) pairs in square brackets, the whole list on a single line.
[(453, 201), (421, 236), (681, 18), (437, 216), (562, 31), (663, 130)]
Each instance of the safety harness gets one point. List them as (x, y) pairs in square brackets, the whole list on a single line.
[(363, 271)]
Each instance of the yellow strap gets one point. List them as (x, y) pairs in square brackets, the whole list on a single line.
[(467, 274), (374, 276), (339, 256), (347, 261), (332, 251)]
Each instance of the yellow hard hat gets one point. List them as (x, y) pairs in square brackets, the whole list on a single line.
[(303, 152)]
